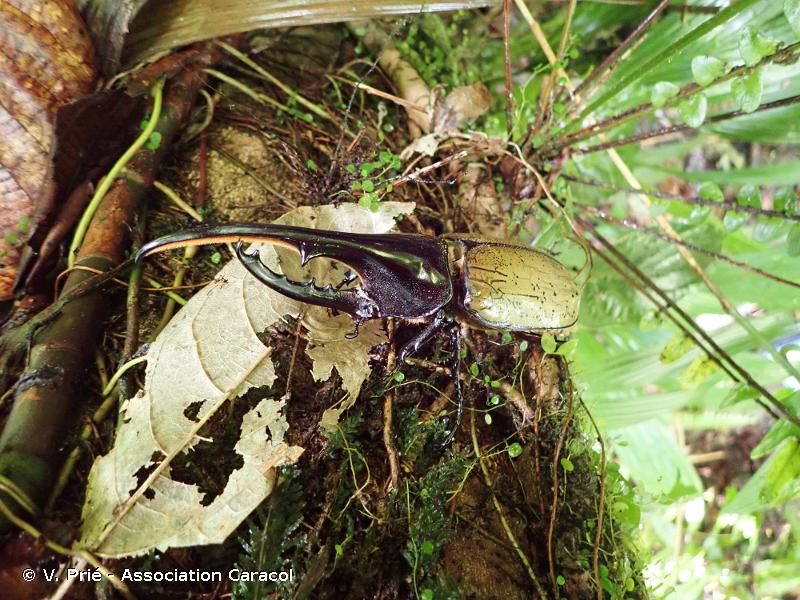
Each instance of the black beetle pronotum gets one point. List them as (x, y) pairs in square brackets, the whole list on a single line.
[(441, 281)]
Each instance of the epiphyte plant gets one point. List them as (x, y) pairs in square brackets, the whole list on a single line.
[(441, 282)]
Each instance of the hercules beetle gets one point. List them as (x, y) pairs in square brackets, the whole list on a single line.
[(440, 281)]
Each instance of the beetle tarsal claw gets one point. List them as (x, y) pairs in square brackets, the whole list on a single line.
[(353, 301)]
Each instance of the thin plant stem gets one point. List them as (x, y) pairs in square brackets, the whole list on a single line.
[(693, 247), (751, 210), (680, 128), (83, 225), (612, 59), (744, 375)]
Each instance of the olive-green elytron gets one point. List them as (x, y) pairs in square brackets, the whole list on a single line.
[(441, 280), (505, 286)]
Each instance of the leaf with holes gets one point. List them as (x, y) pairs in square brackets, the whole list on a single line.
[(211, 353)]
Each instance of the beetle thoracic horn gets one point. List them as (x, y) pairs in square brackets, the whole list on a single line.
[(401, 275)]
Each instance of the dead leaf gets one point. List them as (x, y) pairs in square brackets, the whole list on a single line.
[(167, 24), (46, 60), (109, 22), (90, 133), (208, 354), (464, 103), (478, 201)]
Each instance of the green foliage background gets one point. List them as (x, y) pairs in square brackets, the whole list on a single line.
[(660, 403)]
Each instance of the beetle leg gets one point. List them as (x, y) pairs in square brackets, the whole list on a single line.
[(439, 322), (455, 369)]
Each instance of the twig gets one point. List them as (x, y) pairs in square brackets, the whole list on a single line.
[(317, 110), (595, 128), (509, 89), (64, 551), (554, 505), (611, 60), (116, 170), (632, 139), (388, 418), (721, 354)]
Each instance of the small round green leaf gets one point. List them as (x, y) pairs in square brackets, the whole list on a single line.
[(747, 91), (567, 349), (548, 343), (426, 547), (705, 69), (767, 228), (663, 91), (733, 220), (711, 191), (693, 110), (567, 465), (749, 195), (786, 200), (154, 141), (754, 45), (514, 450)]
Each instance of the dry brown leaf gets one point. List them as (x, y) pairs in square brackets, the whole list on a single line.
[(166, 24), (46, 60), (464, 103), (211, 352)]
